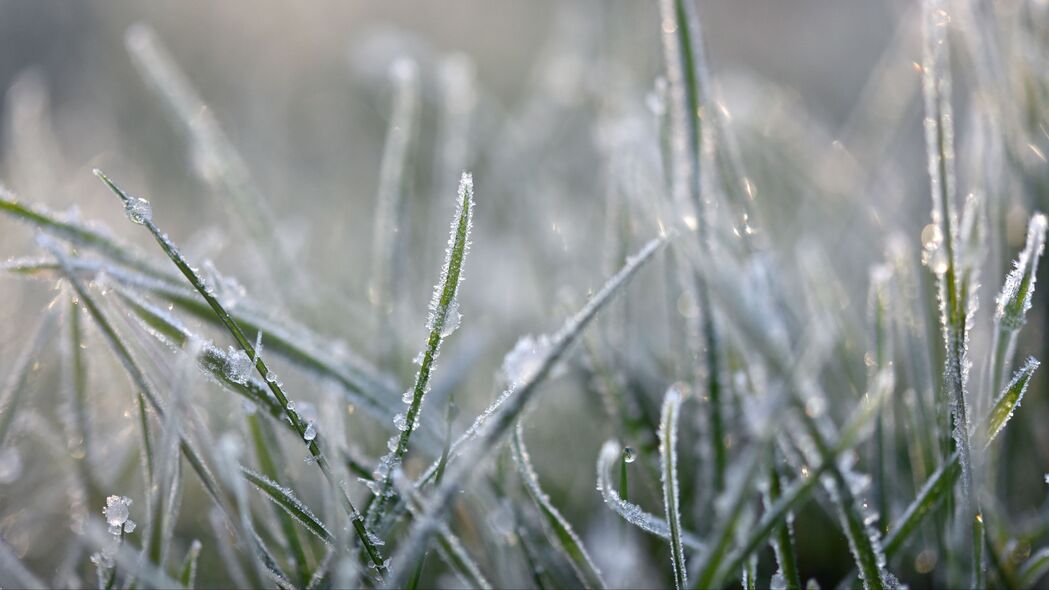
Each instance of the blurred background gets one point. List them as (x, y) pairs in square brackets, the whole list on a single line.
[(550, 105)]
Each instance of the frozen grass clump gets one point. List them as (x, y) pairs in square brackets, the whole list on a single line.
[(679, 275)]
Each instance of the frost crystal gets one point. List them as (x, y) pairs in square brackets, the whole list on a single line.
[(453, 317), (238, 365), (129, 526), (310, 433), (117, 510), (521, 364), (138, 210)]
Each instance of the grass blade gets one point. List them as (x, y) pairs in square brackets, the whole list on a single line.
[(444, 319), (1034, 568), (388, 241), (1010, 399), (606, 460), (668, 475), (563, 534), (188, 572), (286, 500), (783, 537)]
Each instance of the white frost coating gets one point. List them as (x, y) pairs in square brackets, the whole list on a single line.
[(1000, 416), (238, 365), (524, 361), (632, 513), (117, 510), (587, 571), (452, 318), (1015, 299), (285, 498), (668, 475)]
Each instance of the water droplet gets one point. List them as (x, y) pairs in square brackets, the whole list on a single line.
[(138, 210), (629, 455), (310, 433), (291, 405)]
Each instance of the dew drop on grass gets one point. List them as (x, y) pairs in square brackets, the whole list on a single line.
[(117, 510), (310, 433), (238, 365), (138, 210), (291, 405), (629, 455)]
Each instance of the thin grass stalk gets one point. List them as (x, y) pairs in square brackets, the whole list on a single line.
[(188, 571), (444, 318), (783, 537), (668, 475), (130, 203), (496, 425), (562, 533), (388, 241), (682, 47)]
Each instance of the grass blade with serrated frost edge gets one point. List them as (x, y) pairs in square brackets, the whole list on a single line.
[(388, 241), (1010, 399), (668, 475), (496, 426), (187, 574), (570, 543), (632, 513), (682, 48), (444, 318), (943, 253), (284, 498), (18, 376), (1015, 300), (138, 212)]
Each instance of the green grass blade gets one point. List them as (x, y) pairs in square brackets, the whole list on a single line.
[(135, 207), (78, 233), (1010, 399), (682, 49), (444, 318), (1034, 568), (286, 500), (783, 537), (496, 425), (668, 474), (187, 574), (563, 534)]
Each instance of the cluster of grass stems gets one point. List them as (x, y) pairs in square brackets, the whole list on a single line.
[(751, 428)]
